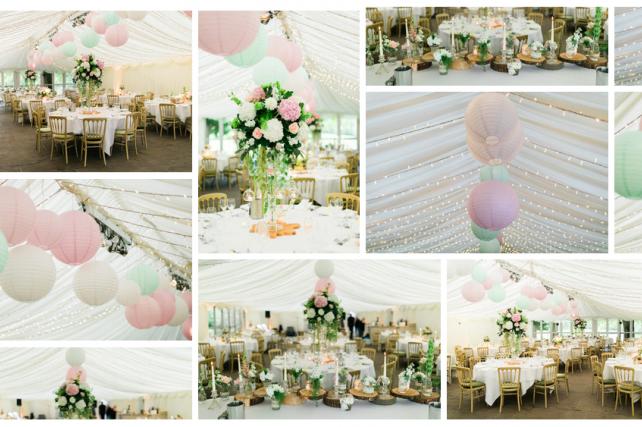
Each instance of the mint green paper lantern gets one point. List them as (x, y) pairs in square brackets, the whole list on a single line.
[(269, 70), (628, 165), (523, 303), (253, 54), (68, 49), (111, 18), (482, 233), (89, 38), (4, 251), (479, 272), (146, 278), (494, 173), (489, 247), (497, 293)]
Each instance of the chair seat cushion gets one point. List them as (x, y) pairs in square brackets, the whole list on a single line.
[(93, 137), (473, 384), (509, 386), (603, 381), (544, 383), (629, 388), (44, 130)]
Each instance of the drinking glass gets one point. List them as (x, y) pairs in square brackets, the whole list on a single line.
[(231, 204), (222, 204)]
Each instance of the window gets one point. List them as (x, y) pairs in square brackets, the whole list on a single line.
[(566, 328), (637, 329), (349, 132), (225, 319), (542, 330), (7, 79), (609, 328), (58, 82), (219, 137)]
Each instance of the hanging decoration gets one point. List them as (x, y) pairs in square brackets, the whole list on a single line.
[(95, 283), (47, 230), (117, 35), (253, 54), (494, 136), (227, 33), (80, 238), (74, 399), (287, 51), (628, 155), (486, 280), (17, 215), (29, 274)]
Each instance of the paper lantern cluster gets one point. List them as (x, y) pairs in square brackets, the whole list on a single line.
[(487, 280), (494, 136), (628, 157), (75, 357), (243, 41)]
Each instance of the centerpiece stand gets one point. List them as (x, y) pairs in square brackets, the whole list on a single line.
[(362, 395), (384, 397), (410, 393), (578, 58)]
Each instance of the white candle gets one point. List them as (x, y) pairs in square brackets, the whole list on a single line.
[(452, 35), (336, 373), (407, 28), (238, 358), (213, 380), (285, 370), (385, 360), (380, 45), (504, 39), (552, 23)]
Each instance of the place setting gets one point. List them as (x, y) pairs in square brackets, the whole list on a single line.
[(328, 355)]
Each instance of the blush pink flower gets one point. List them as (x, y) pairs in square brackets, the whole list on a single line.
[(309, 120), (270, 171), (516, 317), (320, 301), (85, 57), (258, 94), (257, 134), (289, 110), (72, 389), (293, 128)]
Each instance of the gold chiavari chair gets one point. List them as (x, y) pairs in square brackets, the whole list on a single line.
[(441, 17), (391, 366), (553, 353), (414, 352), (237, 350), (209, 168), (257, 358), (350, 201), (205, 349), (141, 128), (373, 14), (375, 337), (482, 353), (205, 367), (211, 202), (593, 361), (472, 361), (230, 170), (93, 136), (350, 347), (503, 349), (370, 353), (537, 17), (604, 386), (42, 130), (305, 187), (274, 352), (625, 385), (562, 377), (60, 103), (468, 387), (393, 358), (518, 12), (502, 355), (188, 124), (360, 343), (605, 356), (35, 105), (113, 100), (547, 384), (168, 118), (509, 385), (468, 353), (404, 14), (125, 135), (582, 17), (449, 369), (243, 180), (349, 183), (60, 136), (391, 344)]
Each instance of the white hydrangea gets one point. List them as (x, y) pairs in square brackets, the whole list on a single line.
[(271, 104), (250, 123), (310, 313), (247, 112), (62, 401), (274, 131), (329, 317), (508, 325), (81, 405), (293, 141), (280, 146), (320, 311)]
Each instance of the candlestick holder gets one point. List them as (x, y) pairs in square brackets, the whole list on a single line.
[(384, 397), (217, 402), (381, 68)]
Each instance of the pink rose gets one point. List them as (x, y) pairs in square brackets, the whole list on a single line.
[(393, 44), (257, 134), (310, 120), (72, 389), (293, 128), (320, 301), (516, 317), (289, 110), (85, 57), (258, 94)]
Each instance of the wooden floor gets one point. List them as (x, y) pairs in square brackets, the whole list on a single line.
[(18, 153)]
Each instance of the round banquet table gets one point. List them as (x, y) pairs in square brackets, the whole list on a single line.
[(340, 342), (608, 372), (48, 104), (360, 410), (402, 343), (322, 230), (223, 348), (183, 111), (115, 120), (565, 352), (386, 12), (493, 349), (122, 99), (496, 31), (532, 369), (326, 180), (354, 362)]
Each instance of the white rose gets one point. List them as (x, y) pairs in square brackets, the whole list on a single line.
[(280, 147), (81, 405), (320, 311), (250, 142), (247, 112), (62, 401), (508, 325), (274, 131), (329, 317), (72, 399), (310, 313), (250, 123), (271, 103), (293, 141)]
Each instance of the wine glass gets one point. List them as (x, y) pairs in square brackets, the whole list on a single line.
[(231, 204), (222, 204), (248, 195)]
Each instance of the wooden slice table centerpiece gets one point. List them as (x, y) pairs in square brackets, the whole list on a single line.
[(593, 64), (573, 59), (476, 59), (362, 395), (307, 394), (249, 399), (410, 393), (529, 60)]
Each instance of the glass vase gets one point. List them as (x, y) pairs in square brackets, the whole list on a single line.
[(443, 69), (276, 404), (427, 387), (594, 53)]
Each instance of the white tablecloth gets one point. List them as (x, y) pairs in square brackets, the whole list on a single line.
[(565, 352), (227, 232), (182, 110), (223, 348), (307, 342), (474, 27), (123, 100), (326, 181), (532, 369), (403, 409), (402, 343), (115, 120), (391, 11), (352, 362), (48, 104)]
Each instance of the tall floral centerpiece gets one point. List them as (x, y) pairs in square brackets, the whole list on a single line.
[(324, 313), (595, 30), (512, 327), (87, 74), (579, 325), (270, 125), (572, 42), (315, 124), (75, 400), (30, 78), (426, 365)]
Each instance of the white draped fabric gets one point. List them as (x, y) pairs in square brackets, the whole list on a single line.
[(420, 173), (628, 216), (330, 42), (286, 285), (628, 46), (61, 315), (161, 36)]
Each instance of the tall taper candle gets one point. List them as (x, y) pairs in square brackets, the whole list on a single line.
[(385, 359), (552, 24), (380, 45), (213, 381)]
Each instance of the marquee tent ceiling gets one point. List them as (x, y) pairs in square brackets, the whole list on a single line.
[(112, 373), (159, 37), (330, 44), (164, 225), (283, 286), (605, 289), (628, 218), (420, 173), (628, 46)]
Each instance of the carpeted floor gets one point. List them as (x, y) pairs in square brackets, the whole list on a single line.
[(18, 153), (578, 404)]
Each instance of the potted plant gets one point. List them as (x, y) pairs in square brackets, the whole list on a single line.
[(514, 67)]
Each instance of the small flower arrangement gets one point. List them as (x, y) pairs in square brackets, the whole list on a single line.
[(579, 324), (315, 123), (344, 376), (417, 36), (368, 384), (43, 91), (586, 42), (266, 376), (419, 377), (463, 37), (346, 402), (557, 340), (575, 38), (433, 40), (536, 49), (514, 67), (444, 57), (30, 76), (221, 380), (316, 376), (550, 46), (512, 321), (88, 69), (75, 400), (483, 45), (275, 392)]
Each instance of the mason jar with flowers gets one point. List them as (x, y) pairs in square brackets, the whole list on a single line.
[(405, 377), (87, 74), (276, 394), (512, 325), (368, 384), (315, 378), (223, 384), (445, 59)]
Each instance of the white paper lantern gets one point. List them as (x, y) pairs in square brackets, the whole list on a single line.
[(128, 293), (75, 357), (29, 275), (181, 314), (164, 281), (95, 283), (324, 268)]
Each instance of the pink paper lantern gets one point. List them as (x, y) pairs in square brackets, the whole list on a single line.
[(187, 297), (323, 284), (308, 96), (187, 328), (62, 37), (540, 293), (526, 291), (89, 17), (17, 215), (76, 373), (505, 276), (144, 314), (187, 13), (495, 133), (117, 35), (98, 24), (80, 238), (167, 304), (493, 205), (287, 51), (46, 231), (227, 33), (473, 291)]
